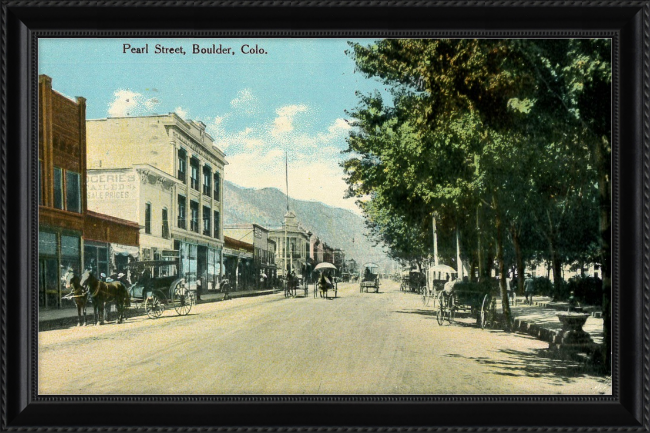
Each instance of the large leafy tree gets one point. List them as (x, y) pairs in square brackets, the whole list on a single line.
[(497, 129)]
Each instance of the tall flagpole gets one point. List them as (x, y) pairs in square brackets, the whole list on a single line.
[(286, 175)]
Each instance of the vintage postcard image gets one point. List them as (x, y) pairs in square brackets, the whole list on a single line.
[(324, 216)]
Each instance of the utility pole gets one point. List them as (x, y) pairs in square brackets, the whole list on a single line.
[(435, 241), (458, 261)]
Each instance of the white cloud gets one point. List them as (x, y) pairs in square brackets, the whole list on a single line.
[(245, 102), (283, 124), (126, 103), (181, 112)]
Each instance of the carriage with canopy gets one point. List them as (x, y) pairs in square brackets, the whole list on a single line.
[(369, 278), (412, 280), (158, 284), (322, 285), (436, 277)]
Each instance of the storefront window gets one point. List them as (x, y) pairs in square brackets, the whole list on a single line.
[(73, 191), (96, 258), (70, 253)]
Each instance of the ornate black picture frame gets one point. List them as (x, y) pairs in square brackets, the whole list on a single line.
[(626, 22)]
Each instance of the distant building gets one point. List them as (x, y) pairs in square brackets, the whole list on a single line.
[(293, 246), (238, 263), (166, 174), (264, 269), (69, 235)]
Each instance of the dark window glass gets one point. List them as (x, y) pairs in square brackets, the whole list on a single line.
[(181, 212), (147, 218), (207, 175), (216, 224), (194, 174), (165, 224), (206, 220), (73, 191), (217, 185), (194, 206), (182, 165), (58, 188)]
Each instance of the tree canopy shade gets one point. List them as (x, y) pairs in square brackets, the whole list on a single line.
[(508, 141)]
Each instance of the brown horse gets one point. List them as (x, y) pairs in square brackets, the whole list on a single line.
[(102, 292), (77, 293)]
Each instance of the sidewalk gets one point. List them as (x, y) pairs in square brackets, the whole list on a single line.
[(67, 317), (540, 321)]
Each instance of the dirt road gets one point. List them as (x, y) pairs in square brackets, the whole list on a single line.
[(358, 343)]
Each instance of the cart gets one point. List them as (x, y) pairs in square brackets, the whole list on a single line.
[(369, 278), (158, 284), (475, 298)]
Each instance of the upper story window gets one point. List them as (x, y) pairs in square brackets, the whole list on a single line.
[(73, 191), (147, 218), (165, 224), (194, 173), (206, 221), (194, 222), (207, 176), (182, 165), (181, 211), (58, 188), (217, 185)]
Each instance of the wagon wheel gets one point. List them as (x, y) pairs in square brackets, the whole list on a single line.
[(452, 308), (441, 310), (182, 298), (153, 307), (425, 297)]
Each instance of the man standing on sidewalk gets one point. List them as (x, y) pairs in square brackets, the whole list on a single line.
[(528, 289)]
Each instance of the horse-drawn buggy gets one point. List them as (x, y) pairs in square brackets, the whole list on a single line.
[(369, 279), (474, 298), (413, 281), (293, 284), (158, 284), (325, 281)]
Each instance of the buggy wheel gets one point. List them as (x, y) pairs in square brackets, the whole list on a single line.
[(183, 299), (441, 312), (153, 307), (483, 314), (425, 298), (452, 309)]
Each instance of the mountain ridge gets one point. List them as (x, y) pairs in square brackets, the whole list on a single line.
[(337, 227)]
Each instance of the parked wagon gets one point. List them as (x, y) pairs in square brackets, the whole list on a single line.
[(475, 298), (158, 284), (369, 279)]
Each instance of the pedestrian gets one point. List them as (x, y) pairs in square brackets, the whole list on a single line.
[(528, 289)]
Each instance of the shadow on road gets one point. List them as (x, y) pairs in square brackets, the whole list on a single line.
[(536, 363)]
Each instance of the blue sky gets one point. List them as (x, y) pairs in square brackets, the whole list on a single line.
[(292, 97)]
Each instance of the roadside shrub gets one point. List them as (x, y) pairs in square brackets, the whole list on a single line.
[(587, 290), (542, 286)]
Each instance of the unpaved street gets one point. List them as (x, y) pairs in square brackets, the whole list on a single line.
[(358, 343)]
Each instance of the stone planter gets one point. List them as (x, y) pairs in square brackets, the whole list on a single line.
[(572, 338)]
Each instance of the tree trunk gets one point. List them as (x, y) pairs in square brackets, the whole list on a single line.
[(520, 261), (505, 304), (556, 265)]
